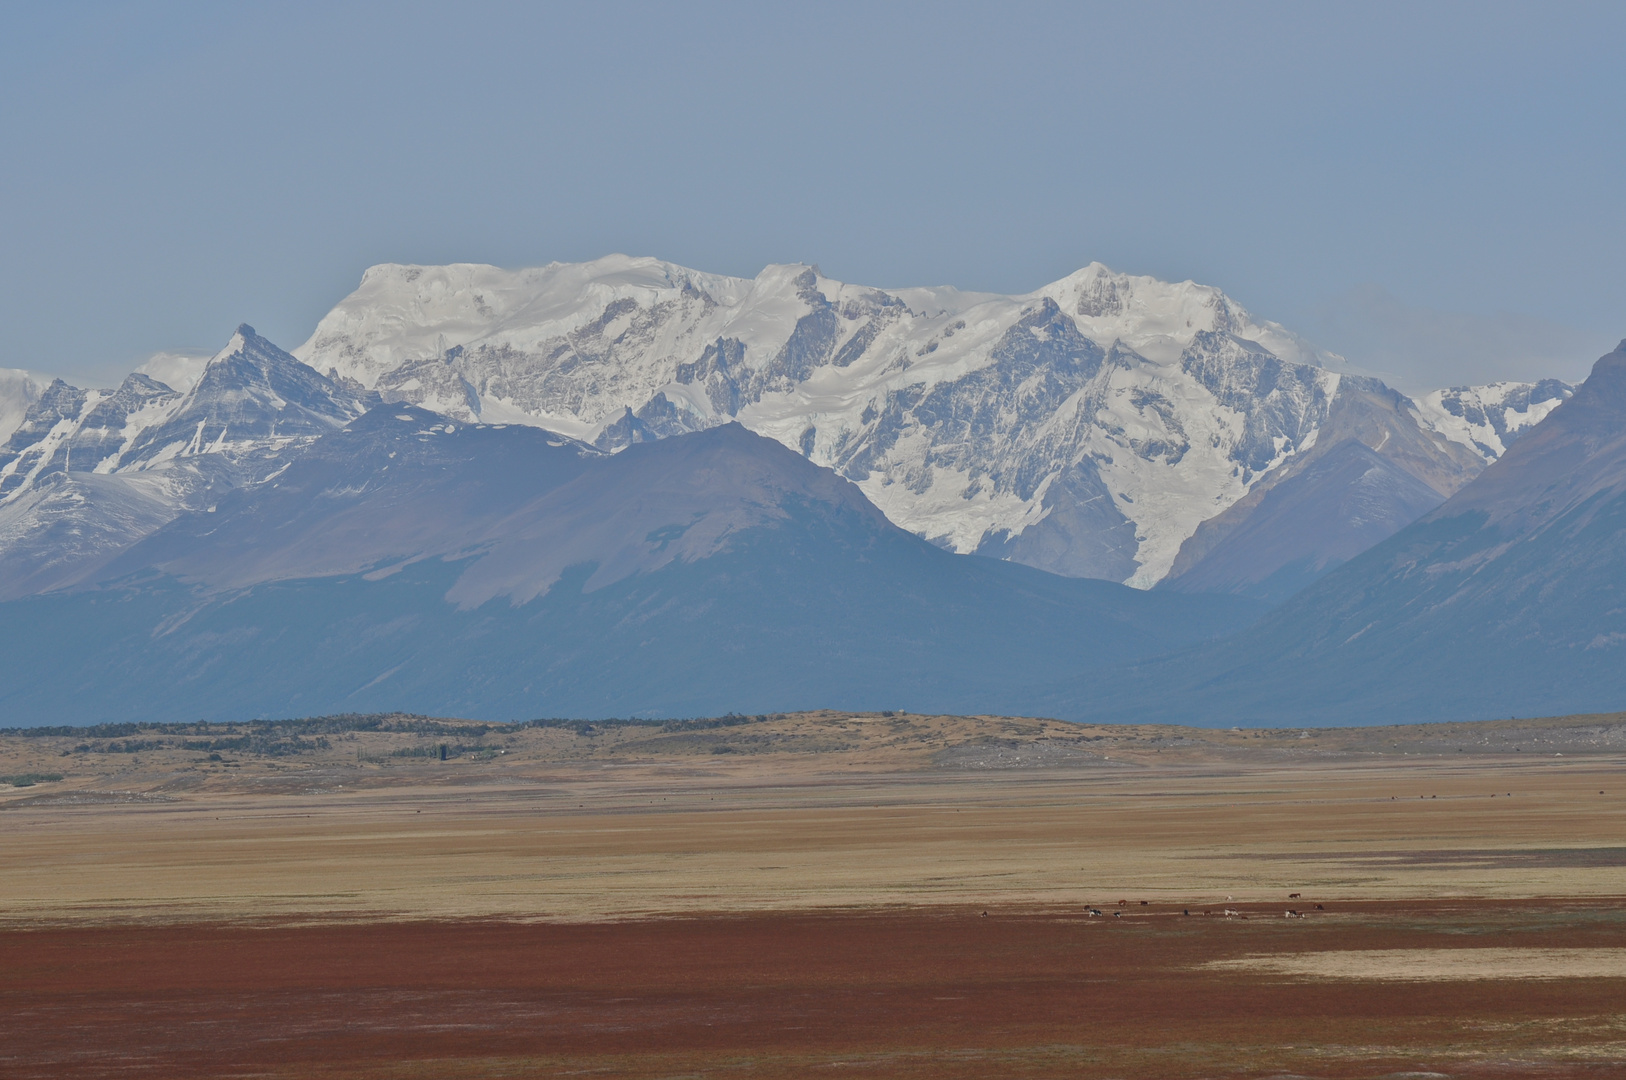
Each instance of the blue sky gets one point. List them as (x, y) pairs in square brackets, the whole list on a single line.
[(1435, 190)]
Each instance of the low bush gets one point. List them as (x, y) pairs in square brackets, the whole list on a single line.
[(29, 779)]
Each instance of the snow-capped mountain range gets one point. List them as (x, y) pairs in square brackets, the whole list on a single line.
[(1088, 428)]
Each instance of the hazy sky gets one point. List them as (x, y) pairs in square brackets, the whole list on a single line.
[(1436, 190)]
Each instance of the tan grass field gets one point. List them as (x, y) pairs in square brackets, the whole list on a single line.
[(816, 811)]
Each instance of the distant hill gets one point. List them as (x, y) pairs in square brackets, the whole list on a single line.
[(411, 562)]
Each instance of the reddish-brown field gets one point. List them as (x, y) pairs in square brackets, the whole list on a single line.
[(898, 994)]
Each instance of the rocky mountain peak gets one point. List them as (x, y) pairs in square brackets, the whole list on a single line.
[(1605, 388), (89, 472), (249, 397)]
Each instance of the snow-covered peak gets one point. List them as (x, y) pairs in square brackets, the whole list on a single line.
[(250, 397), (88, 472), (1158, 319), (241, 340), (401, 314), (404, 313), (1087, 427)]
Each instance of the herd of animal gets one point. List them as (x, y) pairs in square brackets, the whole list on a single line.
[(1290, 913)]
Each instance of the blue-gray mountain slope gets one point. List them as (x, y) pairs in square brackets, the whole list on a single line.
[(415, 563)]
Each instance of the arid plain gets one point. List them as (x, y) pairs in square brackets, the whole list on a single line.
[(815, 894)]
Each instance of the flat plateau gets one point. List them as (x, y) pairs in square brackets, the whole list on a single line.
[(796, 895)]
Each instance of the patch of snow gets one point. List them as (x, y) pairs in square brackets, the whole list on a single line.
[(1489, 418)]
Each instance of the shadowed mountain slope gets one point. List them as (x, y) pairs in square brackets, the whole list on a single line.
[(416, 563), (1323, 515)]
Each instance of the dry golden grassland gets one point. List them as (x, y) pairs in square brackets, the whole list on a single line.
[(812, 810)]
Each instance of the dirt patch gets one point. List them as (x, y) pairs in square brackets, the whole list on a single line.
[(1014, 754), (85, 798), (1441, 965), (1476, 859)]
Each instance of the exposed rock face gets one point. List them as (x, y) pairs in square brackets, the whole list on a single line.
[(251, 401), (41, 438), (1280, 404), (1490, 418), (109, 427)]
